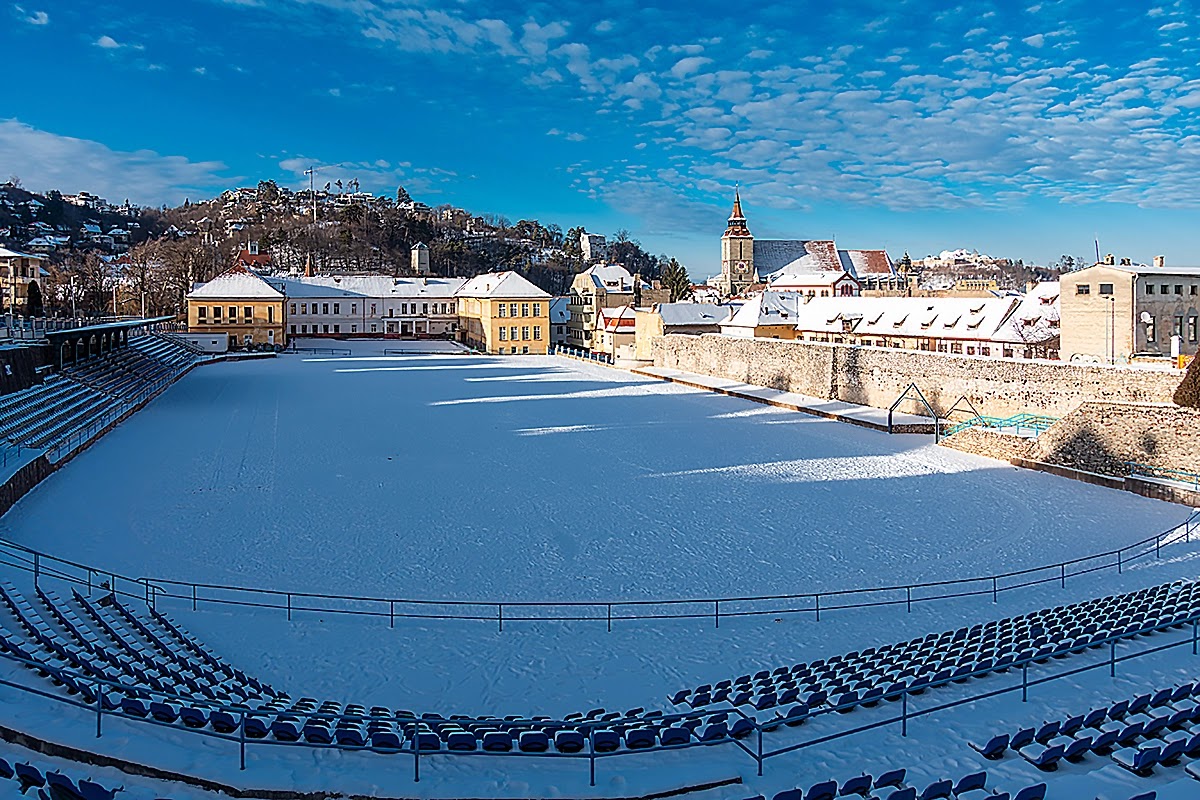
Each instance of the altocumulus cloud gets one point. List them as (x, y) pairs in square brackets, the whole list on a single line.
[(47, 160)]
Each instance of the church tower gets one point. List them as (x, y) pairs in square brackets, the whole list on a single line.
[(737, 252)]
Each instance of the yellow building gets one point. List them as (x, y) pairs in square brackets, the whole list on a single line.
[(241, 304), (504, 314)]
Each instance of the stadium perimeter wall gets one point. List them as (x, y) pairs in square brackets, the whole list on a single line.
[(876, 376)]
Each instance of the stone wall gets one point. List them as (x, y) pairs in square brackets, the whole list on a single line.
[(875, 376), (1101, 437)]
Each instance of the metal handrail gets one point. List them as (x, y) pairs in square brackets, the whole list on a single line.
[(1137, 470), (759, 755), (606, 611)]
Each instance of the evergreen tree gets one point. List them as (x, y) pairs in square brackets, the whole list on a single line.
[(675, 278), (33, 306), (1188, 393)]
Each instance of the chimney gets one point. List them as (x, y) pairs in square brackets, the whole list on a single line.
[(1126, 262), (1160, 261), (1110, 260)]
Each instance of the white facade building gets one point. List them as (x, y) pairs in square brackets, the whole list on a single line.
[(371, 306)]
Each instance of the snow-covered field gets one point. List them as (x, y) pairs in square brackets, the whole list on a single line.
[(460, 477)]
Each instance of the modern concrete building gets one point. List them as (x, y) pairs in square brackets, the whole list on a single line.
[(1113, 313)]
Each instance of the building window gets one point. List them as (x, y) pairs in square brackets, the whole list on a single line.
[(372, 314), (1106, 288), (337, 328), (304, 308), (201, 312), (324, 329), (1151, 333), (512, 309), (1193, 325), (1194, 289), (248, 313), (216, 312), (956, 347), (504, 334), (1166, 289), (525, 333), (503, 310), (270, 313), (354, 308), (293, 330), (424, 308), (512, 333), (1179, 327), (374, 328), (354, 329), (337, 308), (524, 350), (1179, 288), (292, 310), (232, 312), (537, 333), (537, 309), (304, 329), (1083, 288), (524, 309), (324, 308)]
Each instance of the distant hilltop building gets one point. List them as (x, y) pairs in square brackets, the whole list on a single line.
[(593, 246), (814, 267)]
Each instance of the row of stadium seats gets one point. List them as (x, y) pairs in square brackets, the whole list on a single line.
[(43, 415), (891, 786), (51, 785), (1141, 733), (172, 679), (843, 683)]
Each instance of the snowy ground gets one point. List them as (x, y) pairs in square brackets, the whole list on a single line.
[(539, 478)]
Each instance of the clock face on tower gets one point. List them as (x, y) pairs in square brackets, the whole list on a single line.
[(741, 267)]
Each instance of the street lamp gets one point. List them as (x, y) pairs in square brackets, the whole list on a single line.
[(1112, 330)]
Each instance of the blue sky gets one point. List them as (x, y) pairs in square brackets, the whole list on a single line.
[(1021, 130)]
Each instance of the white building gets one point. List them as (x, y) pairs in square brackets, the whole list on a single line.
[(371, 306), (593, 246), (559, 317)]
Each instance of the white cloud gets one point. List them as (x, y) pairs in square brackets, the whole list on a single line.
[(51, 161), (108, 43), (1037, 40), (32, 17)]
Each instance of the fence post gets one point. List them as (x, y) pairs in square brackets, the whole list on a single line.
[(99, 707), (1118, 562), (760, 756), (193, 597), (610, 617), (242, 740), (1025, 682), (289, 606), (391, 613), (37, 568), (818, 607), (995, 591), (416, 755), (908, 600), (1194, 637), (1112, 659), (1063, 570), (1157, 544), (500, 615), (716, 613), (592, 755), (904, 713)]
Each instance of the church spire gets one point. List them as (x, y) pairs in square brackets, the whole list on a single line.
[(737, 220)]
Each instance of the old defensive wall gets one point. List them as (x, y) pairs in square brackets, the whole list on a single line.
[(876, 376), (1108, 417)]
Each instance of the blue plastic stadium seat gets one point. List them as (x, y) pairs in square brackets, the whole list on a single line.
[(569, 741)]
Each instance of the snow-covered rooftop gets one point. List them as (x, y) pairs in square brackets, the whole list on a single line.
[(236, 283), (500, 284)]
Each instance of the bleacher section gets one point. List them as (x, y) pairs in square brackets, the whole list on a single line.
[(142, 664), (42, 416), (843, 683), (891, 786), (22, 777)]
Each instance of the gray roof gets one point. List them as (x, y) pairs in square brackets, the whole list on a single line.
[(680, 314)]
